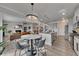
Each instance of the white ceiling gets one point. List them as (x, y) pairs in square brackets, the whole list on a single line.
[(45, 11)]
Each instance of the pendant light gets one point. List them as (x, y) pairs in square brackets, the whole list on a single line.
[(32, 16)]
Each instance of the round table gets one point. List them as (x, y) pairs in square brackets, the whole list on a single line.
[(31, 37)]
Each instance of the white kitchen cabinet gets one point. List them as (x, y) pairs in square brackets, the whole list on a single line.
[(47, 37), (50, 37), (76, 44)]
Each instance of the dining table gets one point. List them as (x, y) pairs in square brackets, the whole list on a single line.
[(31, 38)]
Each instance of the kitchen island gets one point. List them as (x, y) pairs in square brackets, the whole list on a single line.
[(76, 44), (50, 38)]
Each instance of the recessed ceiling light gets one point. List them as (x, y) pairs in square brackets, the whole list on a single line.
[(63, 11)]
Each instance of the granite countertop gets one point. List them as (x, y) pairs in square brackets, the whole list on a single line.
[(74, 34)]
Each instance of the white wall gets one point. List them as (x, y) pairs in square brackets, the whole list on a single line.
[(53, 25), (70, 25), (61, 27), (1, 33), (58, 27)]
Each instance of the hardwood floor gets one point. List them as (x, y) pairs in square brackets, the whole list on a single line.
[(61, 47)]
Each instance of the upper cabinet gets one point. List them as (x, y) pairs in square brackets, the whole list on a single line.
[(76, 19)]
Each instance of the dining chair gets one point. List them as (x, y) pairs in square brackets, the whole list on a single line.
[(40, 47), (20, 47), (37, 40)]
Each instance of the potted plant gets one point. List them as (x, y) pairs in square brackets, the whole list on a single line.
[(2, 43)]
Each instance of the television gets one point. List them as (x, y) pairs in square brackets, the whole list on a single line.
[(17, 30)]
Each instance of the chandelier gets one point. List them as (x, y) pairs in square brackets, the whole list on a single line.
[(32, 16)]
